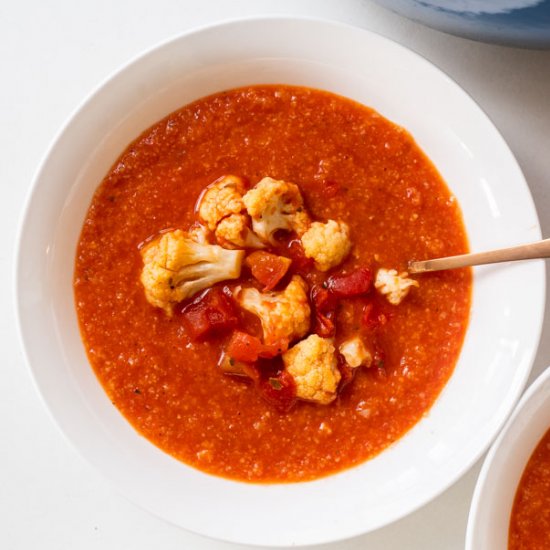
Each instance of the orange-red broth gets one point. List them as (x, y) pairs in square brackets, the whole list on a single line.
[(352, 165)]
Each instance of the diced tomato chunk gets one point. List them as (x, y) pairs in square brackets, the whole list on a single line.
[(245, 347), (351, 284), (211, 313), (300, 262), (324, 326), (323, 299), (279, 390), (324, 307), (267, 268)]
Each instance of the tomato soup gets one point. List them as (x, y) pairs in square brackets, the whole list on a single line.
[(530, 518), (351, 164)]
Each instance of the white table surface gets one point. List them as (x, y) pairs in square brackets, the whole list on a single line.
[(52, 55)]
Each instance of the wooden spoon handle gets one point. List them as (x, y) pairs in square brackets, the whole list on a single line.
[(531, 251)]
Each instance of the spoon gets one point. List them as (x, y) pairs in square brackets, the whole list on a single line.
[(540, 249)]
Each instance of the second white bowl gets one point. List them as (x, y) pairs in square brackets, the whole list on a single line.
[(503, 467)]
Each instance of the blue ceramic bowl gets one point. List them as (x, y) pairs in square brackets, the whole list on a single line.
[(522, 23)]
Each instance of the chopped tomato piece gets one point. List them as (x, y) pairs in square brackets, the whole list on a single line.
[(324, 307), (279, 390), (248, 348), (324, 326), (267, 268), (300, 262), (351, 284), (243, 347), (211, 313), (323, 299)]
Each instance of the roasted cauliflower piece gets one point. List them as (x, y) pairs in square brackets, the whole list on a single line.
[(234, 232), (220, 199), (276, 205), (221, 208), (327, 244), (285, 315), (199, 233), (355, 352), (176, 266), (395, 286), (313, 365)]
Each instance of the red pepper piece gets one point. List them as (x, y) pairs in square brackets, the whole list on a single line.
[(300, 262), (351, 284), (267, 268), (324, 307), (211, 313), (323, 299), (324, 326)]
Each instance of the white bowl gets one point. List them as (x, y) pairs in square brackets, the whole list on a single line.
[(507, 301), (503, 467)]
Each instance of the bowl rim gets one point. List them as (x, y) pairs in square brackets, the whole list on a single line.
[(151, 50)]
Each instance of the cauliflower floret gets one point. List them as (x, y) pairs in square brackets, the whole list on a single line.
[(234, 232), (355, 353), (175, 267), (220, 199), (327, 243), (284, 314), (313, 365), (274, 205), (395, 286), (221, 207), (199, 233)]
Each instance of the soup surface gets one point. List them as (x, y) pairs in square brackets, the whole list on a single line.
[(530, 518), (351, 164)]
